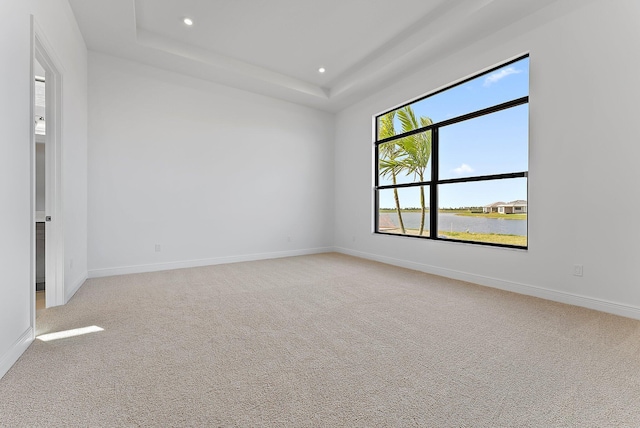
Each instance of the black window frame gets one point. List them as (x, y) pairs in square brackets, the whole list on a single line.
[(435, 181)]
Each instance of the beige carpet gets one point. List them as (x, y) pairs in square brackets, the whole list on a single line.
[(323, 340)]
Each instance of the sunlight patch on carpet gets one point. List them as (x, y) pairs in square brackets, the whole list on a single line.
[(69, 333)]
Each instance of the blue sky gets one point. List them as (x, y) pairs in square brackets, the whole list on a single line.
[(491, 144)]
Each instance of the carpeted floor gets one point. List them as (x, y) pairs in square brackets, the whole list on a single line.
[(323, 340)]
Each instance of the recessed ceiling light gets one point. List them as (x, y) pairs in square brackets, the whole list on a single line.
[(188, 21), (321, 70)]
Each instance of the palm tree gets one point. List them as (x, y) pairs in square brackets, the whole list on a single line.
[(416, 149), (390, 155)]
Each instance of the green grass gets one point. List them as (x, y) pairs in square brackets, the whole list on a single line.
[(494, 238)]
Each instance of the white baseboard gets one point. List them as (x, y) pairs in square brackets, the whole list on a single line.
[(14, 352), (516, 287), (74, 288), (124, 270)]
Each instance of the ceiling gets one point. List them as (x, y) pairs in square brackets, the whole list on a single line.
[(275, 47)]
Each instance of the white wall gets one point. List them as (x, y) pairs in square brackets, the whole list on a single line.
[(583, 184), (57, 25), (209, 173)]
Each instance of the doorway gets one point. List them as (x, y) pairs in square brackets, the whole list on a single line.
[(41, 179), (47, 242)]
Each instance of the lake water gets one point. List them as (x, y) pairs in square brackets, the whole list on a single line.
[(456, 223)]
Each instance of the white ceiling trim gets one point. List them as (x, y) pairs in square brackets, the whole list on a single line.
[(433, 32), (448, 27), (392, 56), (203, 56)]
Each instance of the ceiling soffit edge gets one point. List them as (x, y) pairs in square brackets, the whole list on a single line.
[(203, 56)]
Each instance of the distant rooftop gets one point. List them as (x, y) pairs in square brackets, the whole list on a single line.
[(517, 202)]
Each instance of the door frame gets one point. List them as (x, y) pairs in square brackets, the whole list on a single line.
[(42, 51)]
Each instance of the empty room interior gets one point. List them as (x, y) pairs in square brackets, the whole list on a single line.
[(319, 213)]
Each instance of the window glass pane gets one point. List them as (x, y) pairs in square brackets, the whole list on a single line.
[(409, 216), (492, 144), (407, 160), (504, 84), (484, 211), (488, 211)]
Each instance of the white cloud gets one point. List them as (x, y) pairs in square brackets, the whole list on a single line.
[(463, 169), (494, 77)]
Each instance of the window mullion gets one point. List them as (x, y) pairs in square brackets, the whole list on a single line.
[(433, 189), (376, 178)]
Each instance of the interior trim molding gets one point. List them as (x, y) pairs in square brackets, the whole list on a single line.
[(516, 287), (124, 270), (44, 53), (202, 56), (15, 351)]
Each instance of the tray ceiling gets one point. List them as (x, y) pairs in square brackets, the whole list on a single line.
[(276, 47)]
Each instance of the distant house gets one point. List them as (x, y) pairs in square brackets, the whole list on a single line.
[(514, 207), (492, 208)]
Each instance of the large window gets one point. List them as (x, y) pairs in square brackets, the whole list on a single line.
[(462, 151)]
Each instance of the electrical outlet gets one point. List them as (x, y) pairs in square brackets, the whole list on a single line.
[(158, 249), (577, 270), (353, 238), (288, 239), (70, 263)]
